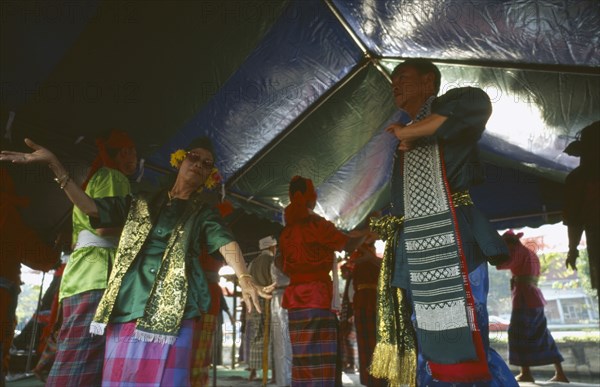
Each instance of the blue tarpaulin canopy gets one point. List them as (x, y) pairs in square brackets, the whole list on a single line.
[(297, 87)]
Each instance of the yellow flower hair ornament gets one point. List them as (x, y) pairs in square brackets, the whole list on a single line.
[(177, 158), (213, 180)]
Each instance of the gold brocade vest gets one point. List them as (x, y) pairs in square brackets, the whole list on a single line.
[(166, 304)]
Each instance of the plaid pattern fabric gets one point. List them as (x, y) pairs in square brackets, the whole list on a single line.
[(47, 357), (134, 363), (204, 331), (256, 323), (313, 333), (79, 356), (366, 327), (529, 340)]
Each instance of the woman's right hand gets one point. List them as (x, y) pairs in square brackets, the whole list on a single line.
[(40, 155), (570, 263)]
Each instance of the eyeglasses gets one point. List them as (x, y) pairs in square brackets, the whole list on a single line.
[(195, 158)]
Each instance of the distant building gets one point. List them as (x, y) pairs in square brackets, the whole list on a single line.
[(569, 306)]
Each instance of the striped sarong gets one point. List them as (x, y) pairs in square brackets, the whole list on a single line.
[(313, 333), (79, 355), (204, 331), (131, 362), (529, 340)]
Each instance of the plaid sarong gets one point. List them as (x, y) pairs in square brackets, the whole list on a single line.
[(47, 357), (256, 324), (204, 332), (80, 355), (529, 341), (313, 333), (132, 362)]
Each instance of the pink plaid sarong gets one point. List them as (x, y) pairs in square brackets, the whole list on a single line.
[(79, 354), (131, 362)]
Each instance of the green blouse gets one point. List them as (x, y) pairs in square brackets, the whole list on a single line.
[(88, 267), (140, 278)]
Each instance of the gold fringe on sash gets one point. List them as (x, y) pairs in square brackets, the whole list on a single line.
[(395, 354)]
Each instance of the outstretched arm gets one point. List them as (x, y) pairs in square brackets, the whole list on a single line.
[(41, 155)]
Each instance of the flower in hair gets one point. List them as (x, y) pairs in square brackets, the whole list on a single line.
[(177, 158), (212, 181)]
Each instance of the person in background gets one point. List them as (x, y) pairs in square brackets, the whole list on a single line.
[(438, 242), (19, 244), (260, 269), (307, 244), (365, 275), (530, 343), (582, 205), (80, 356), (48, 340), (346, 318), (207, 324), (156, 288), (280, 333)]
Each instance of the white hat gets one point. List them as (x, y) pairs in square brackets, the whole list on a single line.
[(267, 242)]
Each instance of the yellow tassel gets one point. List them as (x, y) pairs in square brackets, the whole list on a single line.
[(385, 363), (388, 364)]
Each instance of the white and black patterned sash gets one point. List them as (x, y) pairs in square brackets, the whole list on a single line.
[(437, 279)]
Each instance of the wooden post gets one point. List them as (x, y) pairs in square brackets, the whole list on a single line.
[(266, 341)]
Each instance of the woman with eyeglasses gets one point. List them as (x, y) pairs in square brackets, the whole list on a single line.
[(156, 288)]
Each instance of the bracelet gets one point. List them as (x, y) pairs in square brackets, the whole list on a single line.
[(63, 185), (245, 275), (63, 180)]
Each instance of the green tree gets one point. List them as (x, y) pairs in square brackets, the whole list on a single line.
[(27, 304), (553, 269)]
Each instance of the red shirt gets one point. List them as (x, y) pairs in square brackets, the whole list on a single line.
[(308, 250), (524, 262)]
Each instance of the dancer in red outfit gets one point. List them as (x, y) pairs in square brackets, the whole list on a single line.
[(529, 340), (308, 243), (365, 276)]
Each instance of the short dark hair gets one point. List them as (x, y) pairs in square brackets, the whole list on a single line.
[(202, 142), (423, 66)]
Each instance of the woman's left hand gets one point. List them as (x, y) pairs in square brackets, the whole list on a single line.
[(251, 293)]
